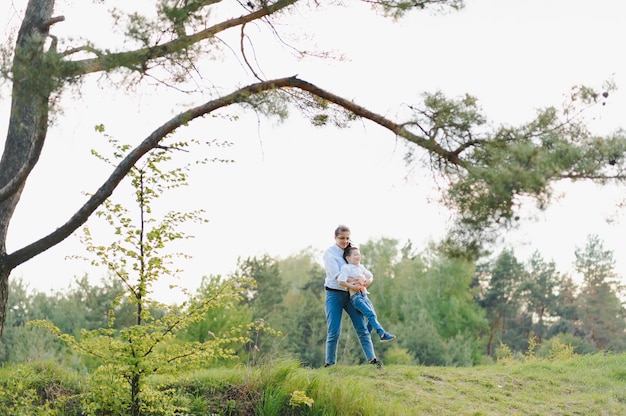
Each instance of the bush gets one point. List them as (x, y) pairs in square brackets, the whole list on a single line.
[(399, 355), (562, 345), (41, 388)]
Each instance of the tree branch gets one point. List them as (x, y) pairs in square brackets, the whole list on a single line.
[(398, 129), (132, 59), (153, 142), (45, 26)]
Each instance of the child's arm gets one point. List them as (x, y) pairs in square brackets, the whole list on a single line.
[(352, 284), (343, 279), (359, 283)]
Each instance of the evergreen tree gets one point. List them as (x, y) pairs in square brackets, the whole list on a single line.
[(380, 256), (504, 276), (600, 306), (265, 295), (539, 291), (304, 324), (566, 309)]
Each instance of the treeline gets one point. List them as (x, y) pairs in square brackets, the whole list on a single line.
[(446, 312)]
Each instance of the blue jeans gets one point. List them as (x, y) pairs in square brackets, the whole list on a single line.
[(335, 304), (364, 305)]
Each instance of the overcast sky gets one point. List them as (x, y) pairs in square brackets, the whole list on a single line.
[(292, 184)]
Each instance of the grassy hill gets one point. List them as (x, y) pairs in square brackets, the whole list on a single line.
[(580, 385)]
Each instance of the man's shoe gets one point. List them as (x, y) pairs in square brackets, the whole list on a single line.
[(327, 365), (386, 337), (377, 363)]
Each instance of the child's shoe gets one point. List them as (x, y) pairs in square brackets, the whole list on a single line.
[(386, 337)]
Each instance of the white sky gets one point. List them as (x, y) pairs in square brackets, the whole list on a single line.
[(291, 184)]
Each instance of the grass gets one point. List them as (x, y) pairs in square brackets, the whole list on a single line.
[(580, 385)]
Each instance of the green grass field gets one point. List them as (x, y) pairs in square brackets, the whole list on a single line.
[(580, 385)]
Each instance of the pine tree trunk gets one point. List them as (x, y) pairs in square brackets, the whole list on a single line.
[(28, 125)]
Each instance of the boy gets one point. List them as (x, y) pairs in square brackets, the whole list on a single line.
[(352, 276)]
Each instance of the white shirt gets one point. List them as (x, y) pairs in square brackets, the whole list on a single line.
[(333, 260), (353, 270)]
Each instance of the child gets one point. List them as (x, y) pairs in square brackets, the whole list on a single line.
[(352, 276)]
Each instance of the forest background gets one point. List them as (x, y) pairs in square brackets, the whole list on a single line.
[(445, 312)]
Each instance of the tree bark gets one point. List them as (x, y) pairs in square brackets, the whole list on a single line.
[(28, 124)]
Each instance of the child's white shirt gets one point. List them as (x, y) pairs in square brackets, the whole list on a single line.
[(357, 271)]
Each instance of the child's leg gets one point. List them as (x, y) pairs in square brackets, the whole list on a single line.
[(362, 303)]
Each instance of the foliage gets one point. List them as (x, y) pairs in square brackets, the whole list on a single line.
[(40, 388), (432, 303), (591, 384), (541, 305), (80, 306), (305, 324), (298, 398), (219, 319), (429, 299), (601, 307), (266, 295), (399, 356), (540, 290), (501, 301), (132, 353), (559, 351), (510, 163)]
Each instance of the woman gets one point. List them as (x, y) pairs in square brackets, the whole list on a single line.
[(338, 300)]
